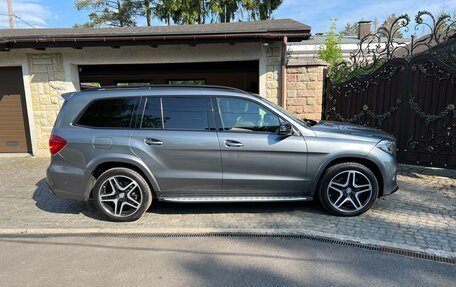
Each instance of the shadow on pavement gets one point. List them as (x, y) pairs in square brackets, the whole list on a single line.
[(48, 202), (420, 171), (235, 207)]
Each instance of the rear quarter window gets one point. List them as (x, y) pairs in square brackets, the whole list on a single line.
[(109, 113)]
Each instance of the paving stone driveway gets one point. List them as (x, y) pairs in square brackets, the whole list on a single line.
[(420, 216)]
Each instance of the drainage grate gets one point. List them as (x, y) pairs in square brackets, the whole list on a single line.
[(397, 251)]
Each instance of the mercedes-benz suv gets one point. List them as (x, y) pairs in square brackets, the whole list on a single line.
[(124, 148)]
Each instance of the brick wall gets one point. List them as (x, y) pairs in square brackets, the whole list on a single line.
[(47, 82), (305, 91)]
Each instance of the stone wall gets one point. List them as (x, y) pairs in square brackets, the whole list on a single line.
[(305, 91), (273, 71), (47, 82)]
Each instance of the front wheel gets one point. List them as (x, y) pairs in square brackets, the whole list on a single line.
[(122, 194), (348, 189)]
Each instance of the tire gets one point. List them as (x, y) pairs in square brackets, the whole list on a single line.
[(348, 189), (122, 194)]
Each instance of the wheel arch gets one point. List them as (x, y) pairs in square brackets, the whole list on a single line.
[(99, 165), (369, 163)]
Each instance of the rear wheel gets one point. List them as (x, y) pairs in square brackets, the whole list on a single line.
[(348, 189), (122, 194)]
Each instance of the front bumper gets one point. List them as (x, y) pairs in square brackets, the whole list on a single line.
[(388, 168)]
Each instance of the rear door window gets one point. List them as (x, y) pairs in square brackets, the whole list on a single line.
[(187, 113), (152, 118), (109, 113)]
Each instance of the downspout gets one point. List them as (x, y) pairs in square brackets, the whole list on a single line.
[(283, 77)]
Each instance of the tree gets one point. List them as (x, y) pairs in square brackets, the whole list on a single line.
[(350, 29), (375, 25), (145, 10), (118, 13), (165, 10), (224, 10), (261, 9), (330, 51), (124, 12), (393, 27), (190, 11), (443, 27)]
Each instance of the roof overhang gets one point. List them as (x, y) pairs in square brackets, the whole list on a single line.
[(239, 32)]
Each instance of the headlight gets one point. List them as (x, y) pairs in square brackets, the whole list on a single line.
[(387, 146)]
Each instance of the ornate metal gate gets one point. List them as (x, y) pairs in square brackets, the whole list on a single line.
[(406, 89)]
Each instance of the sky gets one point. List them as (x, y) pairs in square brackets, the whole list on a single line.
[(316, 13)]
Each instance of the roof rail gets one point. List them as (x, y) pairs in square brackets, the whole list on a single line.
[(166, 86)]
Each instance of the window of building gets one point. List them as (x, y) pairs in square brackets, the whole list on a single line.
[(186, 82)]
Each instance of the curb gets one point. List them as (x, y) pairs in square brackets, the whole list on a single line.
[(227, 232)]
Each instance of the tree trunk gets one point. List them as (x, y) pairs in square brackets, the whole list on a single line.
[(119, 10), (148, 17)]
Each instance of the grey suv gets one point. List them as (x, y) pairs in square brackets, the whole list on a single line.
[(125, 147)]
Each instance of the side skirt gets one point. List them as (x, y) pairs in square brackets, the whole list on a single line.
[(236, 199)]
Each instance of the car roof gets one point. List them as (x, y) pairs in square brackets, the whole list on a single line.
[(178, 87), (156, 90)]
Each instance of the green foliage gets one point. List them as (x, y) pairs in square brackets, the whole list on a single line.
[(446, 19), (260, 9), (344, 72), (224, 10), (331, 51), (391, 26), (124, 12), (165, 10), (350, 29), (340, 71), (118, 13)]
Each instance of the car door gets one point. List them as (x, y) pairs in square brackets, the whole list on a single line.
[(256, 160), (176, 138)]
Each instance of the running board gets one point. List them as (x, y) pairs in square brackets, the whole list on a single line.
[(236, 199)]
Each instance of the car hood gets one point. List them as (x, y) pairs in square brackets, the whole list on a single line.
[(349, 131)]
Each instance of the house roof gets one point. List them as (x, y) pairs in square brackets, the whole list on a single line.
[(320, 40), (266, 30)]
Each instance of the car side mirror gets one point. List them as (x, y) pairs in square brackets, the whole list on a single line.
[(285, 129)]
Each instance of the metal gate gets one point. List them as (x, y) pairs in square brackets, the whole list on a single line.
[(407, 89)]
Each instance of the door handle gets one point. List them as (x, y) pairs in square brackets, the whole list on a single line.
[(233, 143), (151, 141)]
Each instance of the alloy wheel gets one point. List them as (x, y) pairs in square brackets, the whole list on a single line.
[(120, 196), (349, 191)]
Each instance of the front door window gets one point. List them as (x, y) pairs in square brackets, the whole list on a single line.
[(245, 116)]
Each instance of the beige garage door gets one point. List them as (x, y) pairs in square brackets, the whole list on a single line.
[(14, 136)]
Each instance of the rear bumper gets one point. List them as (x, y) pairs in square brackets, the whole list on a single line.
[(66, 180)]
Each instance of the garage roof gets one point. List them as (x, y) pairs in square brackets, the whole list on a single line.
[(266, 30)]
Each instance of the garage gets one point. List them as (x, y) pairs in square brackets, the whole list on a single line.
[(14, 137), (243, 75)]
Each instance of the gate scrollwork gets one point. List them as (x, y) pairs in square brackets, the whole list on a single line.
[(406, 87)]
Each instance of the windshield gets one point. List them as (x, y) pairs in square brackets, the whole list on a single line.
[(271, 104)]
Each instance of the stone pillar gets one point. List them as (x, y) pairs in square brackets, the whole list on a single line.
[(273, 54), (305, 91), (47, 82)]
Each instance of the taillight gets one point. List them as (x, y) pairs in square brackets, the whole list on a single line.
[(56, 144)]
